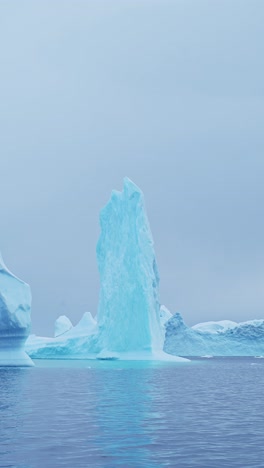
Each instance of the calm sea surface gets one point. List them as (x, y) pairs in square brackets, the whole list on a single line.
[(209, 413)]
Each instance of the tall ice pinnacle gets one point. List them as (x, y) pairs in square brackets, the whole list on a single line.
[(15, 322), (130, 323), (128, 313)]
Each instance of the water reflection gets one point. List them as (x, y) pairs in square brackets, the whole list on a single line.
[(98, 414), (13, 382), (123, 405)]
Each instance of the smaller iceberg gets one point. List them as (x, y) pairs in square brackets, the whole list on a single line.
[(223, 338), (71, 341), (15, 321)]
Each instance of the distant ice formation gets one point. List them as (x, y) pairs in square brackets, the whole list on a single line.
[(15, 322), (129, 320), (224, 338), (62, 325), (85, 327)]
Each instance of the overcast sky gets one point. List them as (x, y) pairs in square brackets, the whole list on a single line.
[(168, 93)]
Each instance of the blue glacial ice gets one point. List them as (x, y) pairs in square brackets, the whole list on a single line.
[(223, 338), (128, 313), (15, 321), (129, 319)]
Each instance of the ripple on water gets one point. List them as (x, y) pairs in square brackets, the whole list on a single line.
[(142, 414)]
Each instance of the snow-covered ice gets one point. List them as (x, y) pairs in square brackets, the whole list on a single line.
[(62, 325), (85, 327), (15, 321), (214, 327)]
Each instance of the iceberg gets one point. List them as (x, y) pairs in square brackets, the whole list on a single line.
[(15, 321), (128, 313), (130, 321), (223, 338)]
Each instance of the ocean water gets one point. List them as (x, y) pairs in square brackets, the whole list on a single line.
[(208, 413)]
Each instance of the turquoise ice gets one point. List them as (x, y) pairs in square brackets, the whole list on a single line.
[(129, 308)]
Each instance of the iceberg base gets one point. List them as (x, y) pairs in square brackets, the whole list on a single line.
[(12, 352), (139, 356)]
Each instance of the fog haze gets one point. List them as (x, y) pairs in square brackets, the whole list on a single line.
[(168, 93)]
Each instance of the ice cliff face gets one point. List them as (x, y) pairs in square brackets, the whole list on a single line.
[(15, 322), (224, 338)]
